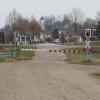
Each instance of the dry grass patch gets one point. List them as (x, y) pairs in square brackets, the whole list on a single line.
[(7, 59), (80, 58), (96, 75)]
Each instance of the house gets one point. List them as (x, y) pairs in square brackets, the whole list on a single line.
[(2, 37)]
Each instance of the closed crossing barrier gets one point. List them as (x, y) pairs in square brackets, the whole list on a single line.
[(27, 49), (59, 51), (65, 51), (74, 51)]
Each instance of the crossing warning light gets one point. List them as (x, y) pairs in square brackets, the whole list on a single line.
[(94, 32), (88, 32)]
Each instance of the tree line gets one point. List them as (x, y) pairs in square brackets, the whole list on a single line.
[(73, 22), (16, 22)]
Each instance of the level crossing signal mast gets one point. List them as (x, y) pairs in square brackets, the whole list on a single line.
[(88, 41)]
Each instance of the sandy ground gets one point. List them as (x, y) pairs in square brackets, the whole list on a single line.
[(48, 77)]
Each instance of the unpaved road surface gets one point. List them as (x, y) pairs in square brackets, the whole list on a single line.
[(48, 77)]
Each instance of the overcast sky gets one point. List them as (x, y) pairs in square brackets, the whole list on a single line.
[(47, 7)]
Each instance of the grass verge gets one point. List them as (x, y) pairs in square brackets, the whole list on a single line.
[(20, 55), (24, 55), (94, 43), (80, 58), (96, 75), (7, 47)]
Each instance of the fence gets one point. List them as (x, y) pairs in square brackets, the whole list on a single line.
[(11, 53)]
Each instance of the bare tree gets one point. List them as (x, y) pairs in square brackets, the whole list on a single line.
[(49, 22), (66, 19), (12, 19), (89, 23), (98, 21), (18, 23), (35, 27), (66, 22), (22, 25), (76, 17), (98, 16)]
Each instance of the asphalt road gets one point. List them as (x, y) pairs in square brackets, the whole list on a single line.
[(48, 77)]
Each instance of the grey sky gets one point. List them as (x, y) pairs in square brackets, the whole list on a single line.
[(47, 7)]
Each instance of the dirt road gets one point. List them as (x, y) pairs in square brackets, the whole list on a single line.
[(47, 77)]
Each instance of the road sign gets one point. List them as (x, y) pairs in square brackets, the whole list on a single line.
[(88, 33)]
